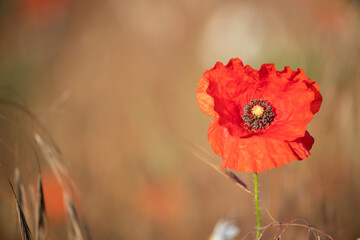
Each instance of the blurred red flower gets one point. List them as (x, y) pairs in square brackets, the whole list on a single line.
[(53, 196), (160, 202), (260, 116), (43, 12)]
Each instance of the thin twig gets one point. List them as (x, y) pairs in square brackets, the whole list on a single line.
[(273, 224)]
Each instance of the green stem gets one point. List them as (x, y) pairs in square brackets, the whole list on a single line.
[(257, 205)]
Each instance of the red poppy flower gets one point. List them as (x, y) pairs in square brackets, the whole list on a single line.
[(260, 116)]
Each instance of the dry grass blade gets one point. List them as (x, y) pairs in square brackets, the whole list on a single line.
[(87, 232), (25, 230), (40, 233), (20, 192), (230, 175), (32, 197), (60, 172), (50, 155), (21, 196), (22, 108), (227, 173), (75, 231), (24, 227), (233, 177)]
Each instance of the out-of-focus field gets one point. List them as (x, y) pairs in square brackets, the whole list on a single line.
[(114, 83)]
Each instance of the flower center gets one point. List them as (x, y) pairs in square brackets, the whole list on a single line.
[(257, 111), (258, 115)]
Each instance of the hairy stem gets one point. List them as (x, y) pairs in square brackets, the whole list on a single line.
[(257, 205)]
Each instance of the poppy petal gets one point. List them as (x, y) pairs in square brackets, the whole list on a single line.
[(254, 154), (302, 146), (295, 102), (215, 136), (206, 102)]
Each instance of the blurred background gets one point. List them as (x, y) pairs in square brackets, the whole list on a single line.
[(114, 84)]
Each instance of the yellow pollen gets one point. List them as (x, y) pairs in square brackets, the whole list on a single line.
[(257, 111)]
